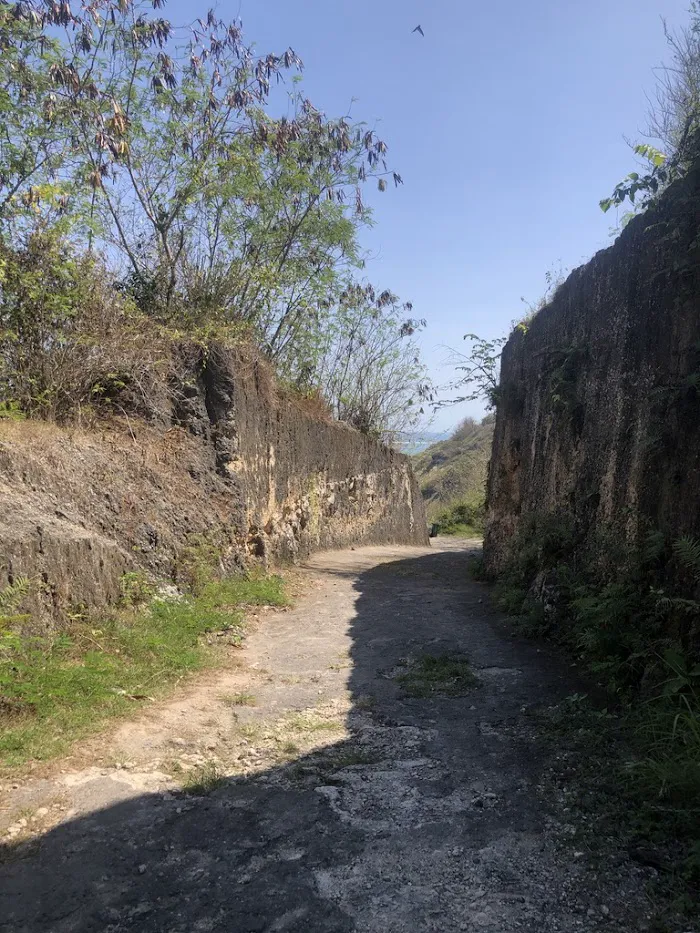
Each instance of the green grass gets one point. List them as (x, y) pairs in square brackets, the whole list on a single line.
[(445, 675), (203, 780), (256, 589), (460, 530), (58, 688)]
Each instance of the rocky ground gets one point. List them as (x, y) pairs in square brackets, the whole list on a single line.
[(308, 787)]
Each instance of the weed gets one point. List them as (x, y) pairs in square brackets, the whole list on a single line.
[(201, 562), (254, 589), (250, 730), (239, 699), (445, 675), (11, 597), (136, 588), (366, 703), (203, 780), (310, 721)]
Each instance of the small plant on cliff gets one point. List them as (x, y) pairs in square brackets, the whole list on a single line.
[(554, 279), (11, 598), (673, 120), (136, 588), (478, 372)]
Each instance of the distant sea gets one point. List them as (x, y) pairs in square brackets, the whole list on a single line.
[(418, 443)]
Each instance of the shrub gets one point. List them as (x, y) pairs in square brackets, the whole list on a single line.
[(69, 344), (466, 517)]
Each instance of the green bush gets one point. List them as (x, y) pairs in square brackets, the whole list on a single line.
[(463, 518)]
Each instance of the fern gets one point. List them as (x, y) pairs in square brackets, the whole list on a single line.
[(667, 605), (653, 547), (687, 552), (13, 594)]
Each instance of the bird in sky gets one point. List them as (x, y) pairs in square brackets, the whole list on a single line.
[(420, 30)]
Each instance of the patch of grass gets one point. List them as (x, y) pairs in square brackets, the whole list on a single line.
[(58, 688), (255, 589), (203, 780), (443, 675), (239, 699), (309, 721), (348, 759), (250, 730), (461, 530)]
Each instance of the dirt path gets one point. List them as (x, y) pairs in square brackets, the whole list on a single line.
[(347, 804)]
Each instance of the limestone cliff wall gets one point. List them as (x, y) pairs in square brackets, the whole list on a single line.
[(233, 460), (599, 412)]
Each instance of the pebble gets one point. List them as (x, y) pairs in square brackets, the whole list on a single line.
[(42, 811), (142, 869)]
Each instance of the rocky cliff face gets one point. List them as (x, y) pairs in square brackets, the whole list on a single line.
[(233, 461), (599, 415)]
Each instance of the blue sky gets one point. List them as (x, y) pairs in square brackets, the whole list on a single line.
[(506, 122)]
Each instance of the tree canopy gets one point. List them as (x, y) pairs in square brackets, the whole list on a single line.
[(211, 187)]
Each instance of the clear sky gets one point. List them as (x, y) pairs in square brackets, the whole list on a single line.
[(506, 122)]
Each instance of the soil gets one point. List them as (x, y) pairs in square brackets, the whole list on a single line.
[(305, 789)]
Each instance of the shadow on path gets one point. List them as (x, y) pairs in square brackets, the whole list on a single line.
[(425, 819)]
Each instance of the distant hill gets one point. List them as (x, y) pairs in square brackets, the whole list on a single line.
[(454, 470)]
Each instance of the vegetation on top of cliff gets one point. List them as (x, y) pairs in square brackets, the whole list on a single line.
[(673, 121), (148, 160), (452, 476)]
